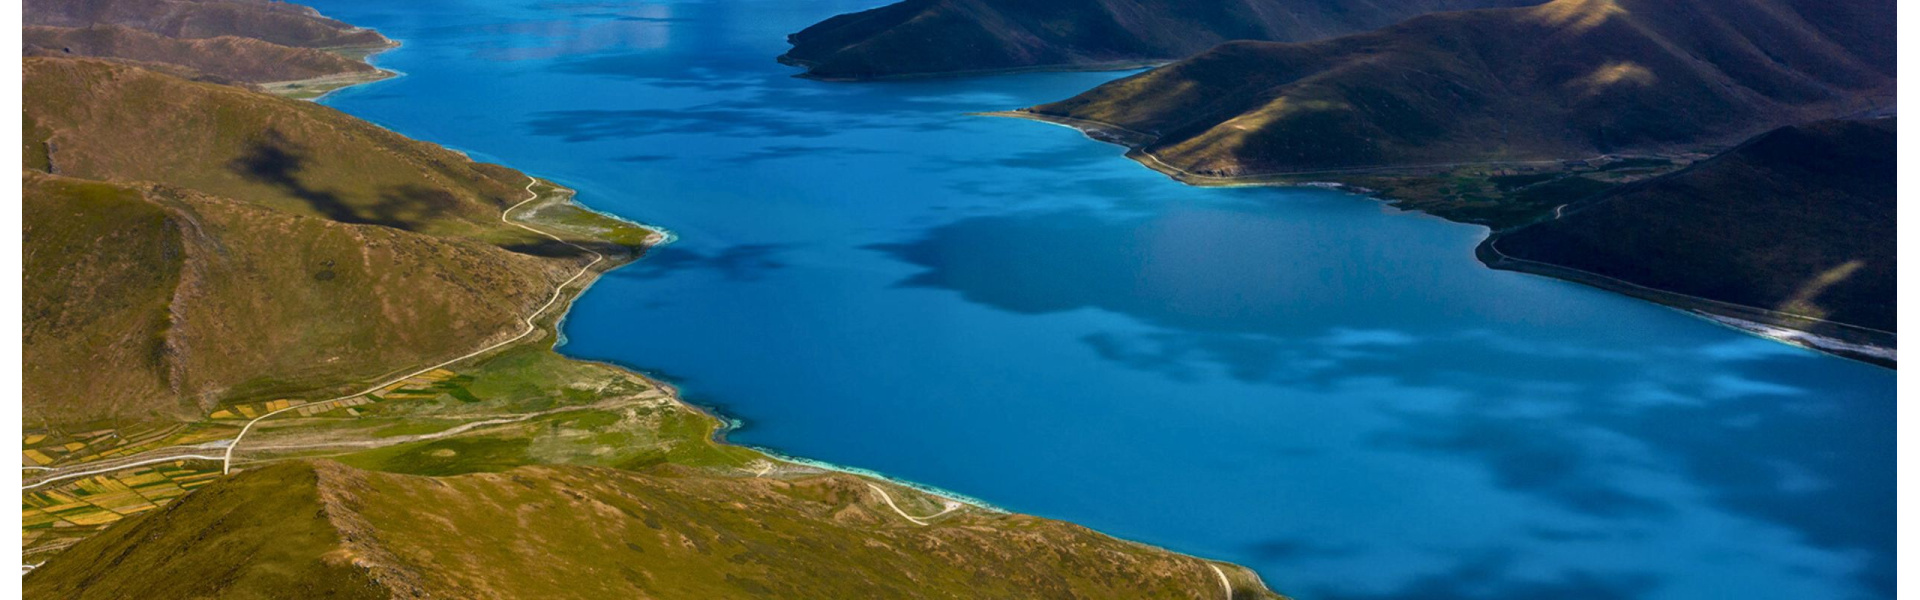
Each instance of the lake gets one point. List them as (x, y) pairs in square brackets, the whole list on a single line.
[(1303, 381)]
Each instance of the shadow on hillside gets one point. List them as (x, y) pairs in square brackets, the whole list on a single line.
[(546, 248), (277, 161)]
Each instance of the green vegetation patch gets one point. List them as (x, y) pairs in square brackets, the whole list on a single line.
[(453, 456)]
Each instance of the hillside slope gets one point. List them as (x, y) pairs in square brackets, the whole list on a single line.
[(280, 23), (1799, 220), (153, 298), (322, 529), (98, 120), (228, 58), (934, 37), (1568, 79), (276, 247)]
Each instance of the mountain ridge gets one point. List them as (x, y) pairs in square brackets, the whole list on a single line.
[(1568, 79), (407, 536), (921, 38)]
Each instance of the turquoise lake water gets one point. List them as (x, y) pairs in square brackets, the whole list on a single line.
[(1330, 391)]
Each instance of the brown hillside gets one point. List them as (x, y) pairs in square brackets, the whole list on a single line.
[(308, 530), (276, 22), (227, 57), (1572, 78), (101, 120)]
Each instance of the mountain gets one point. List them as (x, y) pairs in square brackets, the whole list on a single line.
[(271, 21), (1569, 79), (1799, 220), (310, 530), (936, 37), (226, 58), (275, 247)]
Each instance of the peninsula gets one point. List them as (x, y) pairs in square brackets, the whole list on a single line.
[(276, 351)]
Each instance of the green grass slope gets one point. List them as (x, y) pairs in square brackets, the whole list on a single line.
[(326, 530), (1799, 220), (276, 247), (157, 302), (104, 262), (264, 535), (228, 58), (1567, 79), (934, 37), (281, 23)]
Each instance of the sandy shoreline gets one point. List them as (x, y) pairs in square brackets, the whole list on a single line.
[(314, 89)]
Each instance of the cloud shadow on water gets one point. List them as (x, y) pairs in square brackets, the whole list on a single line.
[(1613, 433), (746, 262)]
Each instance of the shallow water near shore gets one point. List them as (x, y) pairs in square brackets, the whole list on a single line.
[(1306, 382)]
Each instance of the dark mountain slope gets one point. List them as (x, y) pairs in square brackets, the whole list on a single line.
[(268, 20), (932, 37), (227, 58), (1799, 220), (300, 530), (1568, 79)]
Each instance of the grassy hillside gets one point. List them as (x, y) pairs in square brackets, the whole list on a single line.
[(281, 23), (932, 37), (1568, 79), (158, 299), (265, 535), (285, 248), (1798, 220), (227, 58), (105, 261), (99, 120), (322, 529)]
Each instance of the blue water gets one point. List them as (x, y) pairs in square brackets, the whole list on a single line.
[(1330, 391)]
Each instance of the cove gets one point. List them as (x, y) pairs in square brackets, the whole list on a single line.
[(1330, 391)]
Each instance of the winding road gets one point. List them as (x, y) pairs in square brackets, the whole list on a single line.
[(921, 521), (226, 462)]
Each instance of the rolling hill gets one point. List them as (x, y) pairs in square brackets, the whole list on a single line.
[(152, 301), (95, 119), (224, 58), (1799, 220), (944, 37), (280, 23), (276, 247), (312, 530), (1570, 79)]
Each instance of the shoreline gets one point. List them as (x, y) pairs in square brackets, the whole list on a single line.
[(1878, 348), (728, 423), (328, 84), (1853, 342), (1125, 65), (1247, 576)]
